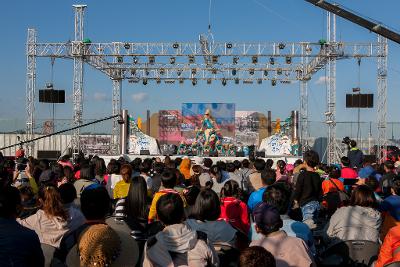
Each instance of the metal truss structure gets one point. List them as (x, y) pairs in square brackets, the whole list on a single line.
[(209, 61)]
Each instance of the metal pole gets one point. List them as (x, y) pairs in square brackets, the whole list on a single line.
[(382, 96), (148, 123), (30, 89), (124, 132), (116, 110)]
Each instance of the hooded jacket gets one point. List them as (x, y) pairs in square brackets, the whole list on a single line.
[(354, 223), (49, 229), (178, 245)]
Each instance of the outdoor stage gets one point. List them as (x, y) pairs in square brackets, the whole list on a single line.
[(198, 160)]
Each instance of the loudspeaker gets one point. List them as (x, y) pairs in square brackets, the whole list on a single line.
[(48, 154), (359, 100), (51, 96), (239, 154), (144, 152), (260, 154)]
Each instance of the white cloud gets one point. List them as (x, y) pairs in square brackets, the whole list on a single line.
[(140, 97), (321, 80), (98, 96)]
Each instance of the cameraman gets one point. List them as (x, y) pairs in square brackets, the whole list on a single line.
[(355, 155)]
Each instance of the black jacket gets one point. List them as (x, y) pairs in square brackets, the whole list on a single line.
[(308, 187), (356, 157)]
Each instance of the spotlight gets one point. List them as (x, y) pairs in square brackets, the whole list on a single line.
[(194, 81), (214, 59), (135, 60), (251, 71), (208, 81), (288, 60), (162, 71), (194, 71), (120, 59), (172, 60), (235, 60), (236, 80), (158, 81), (175, 45), (191, 59), (259, 81), (271, 60), (281, 45), (234, 72), (181, 80), (127, 46), (254, 59), (133, 71), (144, 81), (214, 71), (279, 71), (229, 45), (265, 73), (152, 59), (273, 82), (147, 72), (223, 81), (179, 72)]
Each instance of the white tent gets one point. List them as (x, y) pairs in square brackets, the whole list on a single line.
[(139, 141)]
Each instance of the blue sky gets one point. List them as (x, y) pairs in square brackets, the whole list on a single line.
[(184, 20)]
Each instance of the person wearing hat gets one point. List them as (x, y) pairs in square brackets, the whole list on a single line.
[(287, 250)]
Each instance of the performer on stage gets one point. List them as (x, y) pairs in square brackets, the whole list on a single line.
[(208, 125)]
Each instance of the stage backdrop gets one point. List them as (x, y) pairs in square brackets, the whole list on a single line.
[(247, 126), (223, 113), (169, 130)]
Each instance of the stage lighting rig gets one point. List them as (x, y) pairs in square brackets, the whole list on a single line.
[(251, 72), (235, 60), (214, 59), (172, 60), (208, 81), (191, 60), (127, 46), (281, 46), (288, 60), (194, 81), (259, 81), (223, 81), (272, 61), (234, 72), (135, 60), (254, 59), (229, 45), (175, 46), (265, 73), (279, 71), (273, 82), (144, 81), (152, 60), (236, 80)]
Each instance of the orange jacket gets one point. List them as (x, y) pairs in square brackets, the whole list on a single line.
[(387, 253)]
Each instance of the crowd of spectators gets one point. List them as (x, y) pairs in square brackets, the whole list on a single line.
[(176, 212)]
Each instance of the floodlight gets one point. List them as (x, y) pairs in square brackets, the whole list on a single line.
[(254, 59), (251, 71), (152, 59), (288, 60), (214, 59), (120, 59), (135, 60), (229, 45), (273, 82), (281, 45), (214, 71), (127, 46), (133, 71), (144, 81), (175, 45), (279, 71), (235, 60), (179, 72), (194, 71), (158, 80), (236, 80), (208, 81), (259, 81), (191, 59), (265, 73), (181, 80), (172, 60), (233, 72), (194, 81), (271, 60), (162, 71), (147, 72), (223, 81)]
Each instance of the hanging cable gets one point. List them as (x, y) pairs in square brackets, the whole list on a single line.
[(209, 17), (359, 100)]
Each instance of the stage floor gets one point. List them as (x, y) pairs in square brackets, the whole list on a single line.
[(199, 160)]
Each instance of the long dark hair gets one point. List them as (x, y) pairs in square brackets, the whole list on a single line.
[(136, 201), (231, 189)]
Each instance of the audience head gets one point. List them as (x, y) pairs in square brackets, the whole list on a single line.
[(170, 209), (388, 166), (269, 163), (231, 189), (353, 143), (207, 163), (145, 167), (372, 182), (230, 167), (168, 178), (51, 203), (10, 200), (136, 200), (333, 172), (363, 196), (207, 206), (246, 163), (67, 193), (113, 167), (259, 164), (237, 164), (268, 177), (95, 202), (126, 172), (395, 186), (256, 256), (311, 158), (345, 161), (281, 164), (267, 219), (276, 195), (190, 194)]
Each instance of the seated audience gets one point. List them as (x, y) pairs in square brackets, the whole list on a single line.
[(268, 177), (122, 187), (390, 249)]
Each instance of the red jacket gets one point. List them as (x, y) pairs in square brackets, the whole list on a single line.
[(235, 212), (388, 252), (348, 173)]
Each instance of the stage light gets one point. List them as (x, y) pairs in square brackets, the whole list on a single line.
[(194, 81), (254, 59), (214, 71), (288, 60), (233, 72), (329, 122), (281, 45), (214, 59), (120, 59), (279, 71), (162, 71), (181, 80), (251, 71), (191, 59), (147, 72), (229, 45), (158, 80), (259, 81), (328, 113), (235, 60), (265, 73), (144, 81), (223, 81), (127, 46), (208, 81), (237, 80), (175, 45), (194, 71), (273, 82), (271, 60), (152, 59), (133, 71), (179, 72), (135, 60), (172, 60)]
